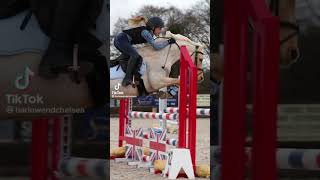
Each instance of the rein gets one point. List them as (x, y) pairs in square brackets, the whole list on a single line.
[(196, 52)]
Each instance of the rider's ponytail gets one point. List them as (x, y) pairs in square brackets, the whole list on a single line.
[(137, 21)]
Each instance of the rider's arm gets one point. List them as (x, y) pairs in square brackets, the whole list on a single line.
[(156, 45)]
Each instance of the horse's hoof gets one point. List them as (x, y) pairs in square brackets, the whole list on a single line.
[(163, 95)]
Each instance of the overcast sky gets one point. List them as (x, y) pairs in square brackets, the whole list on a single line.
[(125, 8)]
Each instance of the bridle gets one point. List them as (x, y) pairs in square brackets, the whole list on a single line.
[(274, 7), (195, 53)]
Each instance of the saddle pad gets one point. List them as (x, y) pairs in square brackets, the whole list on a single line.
[(119, 74), (14, 40)]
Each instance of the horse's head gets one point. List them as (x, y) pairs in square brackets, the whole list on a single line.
[(195, 50), (197, 56), (289, 30)]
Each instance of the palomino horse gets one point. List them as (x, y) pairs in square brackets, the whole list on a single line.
[(158, 66), (289, 51)]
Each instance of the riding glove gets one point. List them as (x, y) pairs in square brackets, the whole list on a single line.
[(171, 41)]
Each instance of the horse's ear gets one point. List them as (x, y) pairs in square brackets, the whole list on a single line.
[(162, 34), (169, 34)]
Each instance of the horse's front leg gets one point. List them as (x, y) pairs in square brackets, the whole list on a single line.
[(165, 82)]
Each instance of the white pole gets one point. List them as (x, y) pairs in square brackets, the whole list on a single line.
[(162, 107)]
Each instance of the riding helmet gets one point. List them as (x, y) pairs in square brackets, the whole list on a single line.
[(155, 22)]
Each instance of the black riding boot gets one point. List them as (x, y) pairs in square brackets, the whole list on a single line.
[(128, 79), (59, 54), (57, 57), (98, 81)]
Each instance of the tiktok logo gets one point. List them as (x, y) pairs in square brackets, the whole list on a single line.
[(116, 93), (117, 87), (23, 81)]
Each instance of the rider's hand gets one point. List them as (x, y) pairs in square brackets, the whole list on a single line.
[(171, 41)]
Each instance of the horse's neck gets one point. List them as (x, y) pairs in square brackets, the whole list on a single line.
[(287, 10), (191, 47), (176, 51), (166, 56)]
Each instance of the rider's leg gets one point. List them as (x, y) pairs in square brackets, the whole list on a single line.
[(60, 50), (128, 79), (88, 46), (98, 78), (123, 57), (122, 43), (119, 40)]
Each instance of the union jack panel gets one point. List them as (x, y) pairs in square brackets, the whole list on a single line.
[(134, 150), (159, 139)]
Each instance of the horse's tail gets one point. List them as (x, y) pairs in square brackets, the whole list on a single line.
[(137, 21)]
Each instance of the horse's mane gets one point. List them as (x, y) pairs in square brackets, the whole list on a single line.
[(179, 37)]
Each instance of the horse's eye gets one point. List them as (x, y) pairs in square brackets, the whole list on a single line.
[(200, 59)]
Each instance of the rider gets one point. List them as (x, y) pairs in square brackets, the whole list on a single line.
[(124, 41)]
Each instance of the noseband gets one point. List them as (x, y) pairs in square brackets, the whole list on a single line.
[(196, 53), (274, 6)]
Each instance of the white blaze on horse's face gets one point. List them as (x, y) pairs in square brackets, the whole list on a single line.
[(198, 60), (195, 50), (289, 50)]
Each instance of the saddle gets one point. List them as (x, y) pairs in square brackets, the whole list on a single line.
[(122, 62)]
